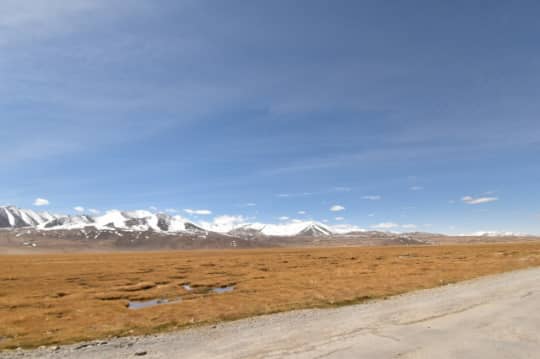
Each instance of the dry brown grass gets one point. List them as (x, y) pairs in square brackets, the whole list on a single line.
[(50, 299)]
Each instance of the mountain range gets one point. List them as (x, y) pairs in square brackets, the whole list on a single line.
[(142, 221)]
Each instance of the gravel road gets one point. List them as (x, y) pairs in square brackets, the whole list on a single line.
[(491, 317)]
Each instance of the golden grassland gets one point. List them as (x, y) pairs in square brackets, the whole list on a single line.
[(64, 298)]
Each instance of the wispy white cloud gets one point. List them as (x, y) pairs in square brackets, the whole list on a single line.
[(301, 212), (171, 210), (201, 212), (283, 218), (478, 200), (300, 194), (340, 218), (337, 208), (79, 209), (94, 211), (386, 154), (39, 17), (39, 202), (373, 197), (315, 193)]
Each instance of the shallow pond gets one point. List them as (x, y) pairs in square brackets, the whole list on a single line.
[(151, 303), (221, 290)]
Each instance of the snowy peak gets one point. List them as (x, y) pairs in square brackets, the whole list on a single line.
[(13, 217), (495, 234), (142, 221), (292, 228), (68, 222), (246, 231), (168, 223), (315, 230), (139, 221)]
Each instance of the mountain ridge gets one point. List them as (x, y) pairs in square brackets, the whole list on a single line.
[(142, 220)]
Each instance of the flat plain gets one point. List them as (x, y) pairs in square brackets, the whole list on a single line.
[(48, 299)]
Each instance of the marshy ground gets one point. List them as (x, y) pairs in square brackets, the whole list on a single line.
[(62, 298)]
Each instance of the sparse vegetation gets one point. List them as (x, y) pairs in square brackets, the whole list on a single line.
[(52, 299)]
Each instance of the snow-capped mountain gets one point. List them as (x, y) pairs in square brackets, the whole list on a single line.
[(315, 230), (141, 221), (292, 228), (495, 234), (68, 222), (13, 217)]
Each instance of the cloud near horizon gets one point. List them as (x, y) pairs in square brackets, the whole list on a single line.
[(224, 223), (200, 212), (40, 202), (385, 225), (337, 208)]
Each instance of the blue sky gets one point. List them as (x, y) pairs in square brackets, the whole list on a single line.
[(421, 113)]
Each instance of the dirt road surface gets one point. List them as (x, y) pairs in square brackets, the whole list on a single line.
[(491, 317)]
